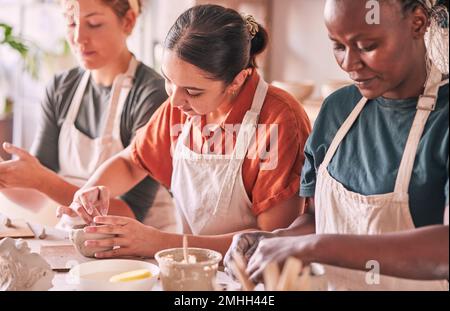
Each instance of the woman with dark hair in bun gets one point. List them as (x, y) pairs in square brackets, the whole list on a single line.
[(202, 142)]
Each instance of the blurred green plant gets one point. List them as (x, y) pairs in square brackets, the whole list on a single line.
[(29, 52), (18, 44), (14, 42)]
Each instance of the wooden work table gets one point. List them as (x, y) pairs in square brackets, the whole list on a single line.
[(44, 217)]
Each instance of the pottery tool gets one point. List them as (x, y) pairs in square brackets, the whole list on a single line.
[(185, 249), (7, 222), (304, 281), (238, 267), (271, 276), (289, 275), (15, 229), (43, 234)]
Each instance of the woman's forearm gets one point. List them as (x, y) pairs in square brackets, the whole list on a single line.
[(420, 254), (62, 192), (303, 225), (118, 174), (56, 188), (219, 243)]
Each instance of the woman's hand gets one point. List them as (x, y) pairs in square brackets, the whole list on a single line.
[(87, 204), (244, 244), (278, 250), (24, 172), (132, 237)]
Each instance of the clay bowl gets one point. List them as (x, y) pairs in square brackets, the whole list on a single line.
[(78, 237), (177, 275), (300, 90)]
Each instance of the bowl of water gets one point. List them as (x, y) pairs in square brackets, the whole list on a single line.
[(105, 275)]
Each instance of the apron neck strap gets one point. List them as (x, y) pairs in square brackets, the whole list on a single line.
[(123, 80), (425, 105), (259, 97), (342, 132), (119, 93), (245, 137), (78, 98)]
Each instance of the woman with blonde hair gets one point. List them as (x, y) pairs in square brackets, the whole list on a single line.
[(91, 112)]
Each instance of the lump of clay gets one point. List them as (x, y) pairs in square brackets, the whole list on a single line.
[(67, 223), (78, 237), (21, 270)]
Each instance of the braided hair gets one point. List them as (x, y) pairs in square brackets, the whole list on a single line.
[(437, 36)]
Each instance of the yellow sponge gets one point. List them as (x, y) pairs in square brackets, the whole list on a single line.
[(131, 276)]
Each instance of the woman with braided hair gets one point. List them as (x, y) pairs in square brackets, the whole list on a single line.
[(229, 146), (376, 170), (89, 113)]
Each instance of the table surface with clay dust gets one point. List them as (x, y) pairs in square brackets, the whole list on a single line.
[(56, 247), (58, 251)]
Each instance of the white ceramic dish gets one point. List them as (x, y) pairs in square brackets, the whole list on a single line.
[(95, 275)]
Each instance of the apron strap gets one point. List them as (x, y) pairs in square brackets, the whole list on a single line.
[(245, 137), (342, 132), (121, 88), (425, 105), (77, 99), (178, 152)]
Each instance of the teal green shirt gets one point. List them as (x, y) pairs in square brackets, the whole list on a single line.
[(368, 158)]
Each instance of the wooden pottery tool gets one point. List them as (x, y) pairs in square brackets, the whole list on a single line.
[(271, 276), (238, 266), (15, 228), (289, 275)]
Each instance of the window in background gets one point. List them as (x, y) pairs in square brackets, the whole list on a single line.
[(41, 23)]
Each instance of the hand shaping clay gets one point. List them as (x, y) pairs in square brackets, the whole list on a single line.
[(21, 270), (78, 237)]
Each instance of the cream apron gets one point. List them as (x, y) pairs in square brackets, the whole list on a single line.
[(80, 155), (339, 211), (208, 189)]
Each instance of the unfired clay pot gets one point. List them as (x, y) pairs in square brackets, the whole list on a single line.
[(177, 275)]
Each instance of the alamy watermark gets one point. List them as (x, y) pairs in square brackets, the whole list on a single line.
[(373, 275), (373, 13), (232, 141)]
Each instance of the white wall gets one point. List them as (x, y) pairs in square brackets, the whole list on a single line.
[(300, 46), (35, 23), (165, 13)]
